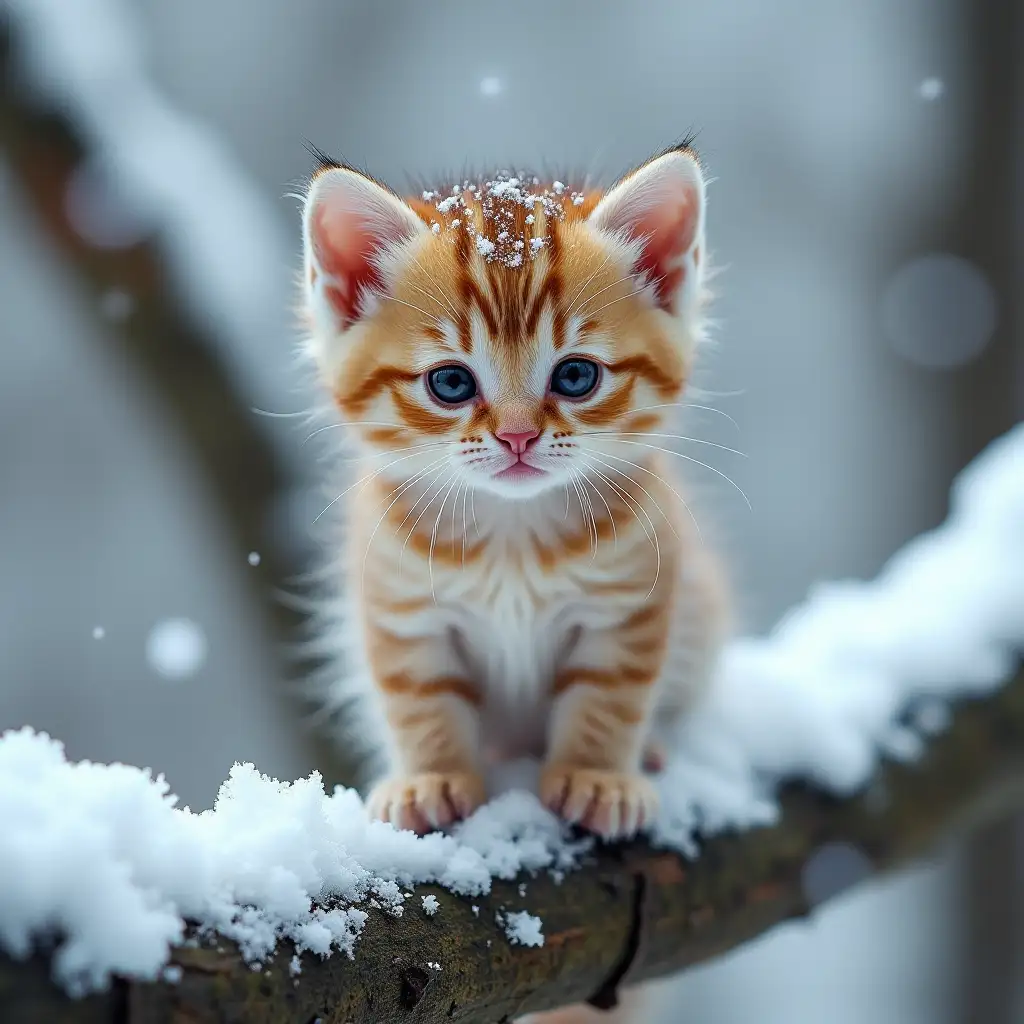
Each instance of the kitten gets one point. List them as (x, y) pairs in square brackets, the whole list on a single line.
[(524, 576)]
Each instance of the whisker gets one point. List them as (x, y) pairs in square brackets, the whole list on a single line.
[(455, 507), (583, 510), (688, 405), (366, 478), (433, 537), (352, 423), (416, 522), (653, 500), (593, 518), (584, 311), (281, 415), (583, 287), (401, 490), (430, 316), (611, 518), (676, 437), (671, 451), (650, 472), (465, 531), (611, 302), (652, 536), (440, 297)]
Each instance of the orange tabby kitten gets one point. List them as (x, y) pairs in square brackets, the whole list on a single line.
[(524, 576)]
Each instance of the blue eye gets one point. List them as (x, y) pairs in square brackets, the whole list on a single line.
[(452, 385), (575, 378)]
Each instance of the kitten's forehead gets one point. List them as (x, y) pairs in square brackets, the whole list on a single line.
[(505, 261)]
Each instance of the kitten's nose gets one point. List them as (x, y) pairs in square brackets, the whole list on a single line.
[(517, 440)]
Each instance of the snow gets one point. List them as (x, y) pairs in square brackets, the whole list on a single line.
[(522, 928), (176, 648), (101, 858), (823, 695), (430, 905), (98, 633), (254, 558), (931, 89)]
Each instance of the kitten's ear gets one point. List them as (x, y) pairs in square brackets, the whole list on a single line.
[(351, 227), (659, 209)]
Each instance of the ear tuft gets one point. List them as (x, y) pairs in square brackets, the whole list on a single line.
[(659, 209), (351, 225)]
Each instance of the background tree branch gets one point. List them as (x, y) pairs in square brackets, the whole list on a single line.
[(180, 363), (631, 914)]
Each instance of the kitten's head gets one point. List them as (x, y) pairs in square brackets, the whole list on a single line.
[(506, 331)]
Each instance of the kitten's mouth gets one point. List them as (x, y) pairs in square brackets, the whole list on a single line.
[(519, 471)]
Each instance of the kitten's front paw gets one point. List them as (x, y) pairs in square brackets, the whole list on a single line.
[(615, 805), (426, 801)]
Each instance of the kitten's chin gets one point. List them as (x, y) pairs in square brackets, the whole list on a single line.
[(520, 482)]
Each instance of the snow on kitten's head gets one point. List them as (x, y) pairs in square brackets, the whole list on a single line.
[(516, 332)]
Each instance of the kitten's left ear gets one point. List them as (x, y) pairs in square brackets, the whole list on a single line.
[(659, 209), (351, 225)]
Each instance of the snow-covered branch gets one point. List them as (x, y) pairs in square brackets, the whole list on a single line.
[(623, 915)]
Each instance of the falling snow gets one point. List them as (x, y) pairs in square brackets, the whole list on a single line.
[(176, 648)]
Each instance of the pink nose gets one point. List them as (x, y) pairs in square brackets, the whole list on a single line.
[(518, 441)]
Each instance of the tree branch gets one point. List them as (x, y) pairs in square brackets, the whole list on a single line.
[(178, 359), (632, 914)]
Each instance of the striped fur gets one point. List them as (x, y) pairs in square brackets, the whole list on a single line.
[(566, 610)]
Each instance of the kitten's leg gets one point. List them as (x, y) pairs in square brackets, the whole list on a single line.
[(605, 696), (431, 710)]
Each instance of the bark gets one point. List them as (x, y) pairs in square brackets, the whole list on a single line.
[(631, 914)]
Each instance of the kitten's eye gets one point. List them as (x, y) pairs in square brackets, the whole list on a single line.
[(575, 378), (451, 384)]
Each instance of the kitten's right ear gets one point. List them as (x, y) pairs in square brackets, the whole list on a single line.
[(351, 225)]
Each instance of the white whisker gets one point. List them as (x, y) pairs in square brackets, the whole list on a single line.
[(671, 451), (366, 478), (465, 531), (583, 287), (430, 316), (687, 405), (584, 311), (633, 505), (416, 522), (352, 423), (433, 537), (648, 433), (650, 472), (401, 489), (611, 518)]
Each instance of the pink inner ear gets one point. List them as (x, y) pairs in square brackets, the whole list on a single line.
[(669, 231), (346, 251)]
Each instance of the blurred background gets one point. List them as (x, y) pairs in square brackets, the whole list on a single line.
[(868, 206)]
